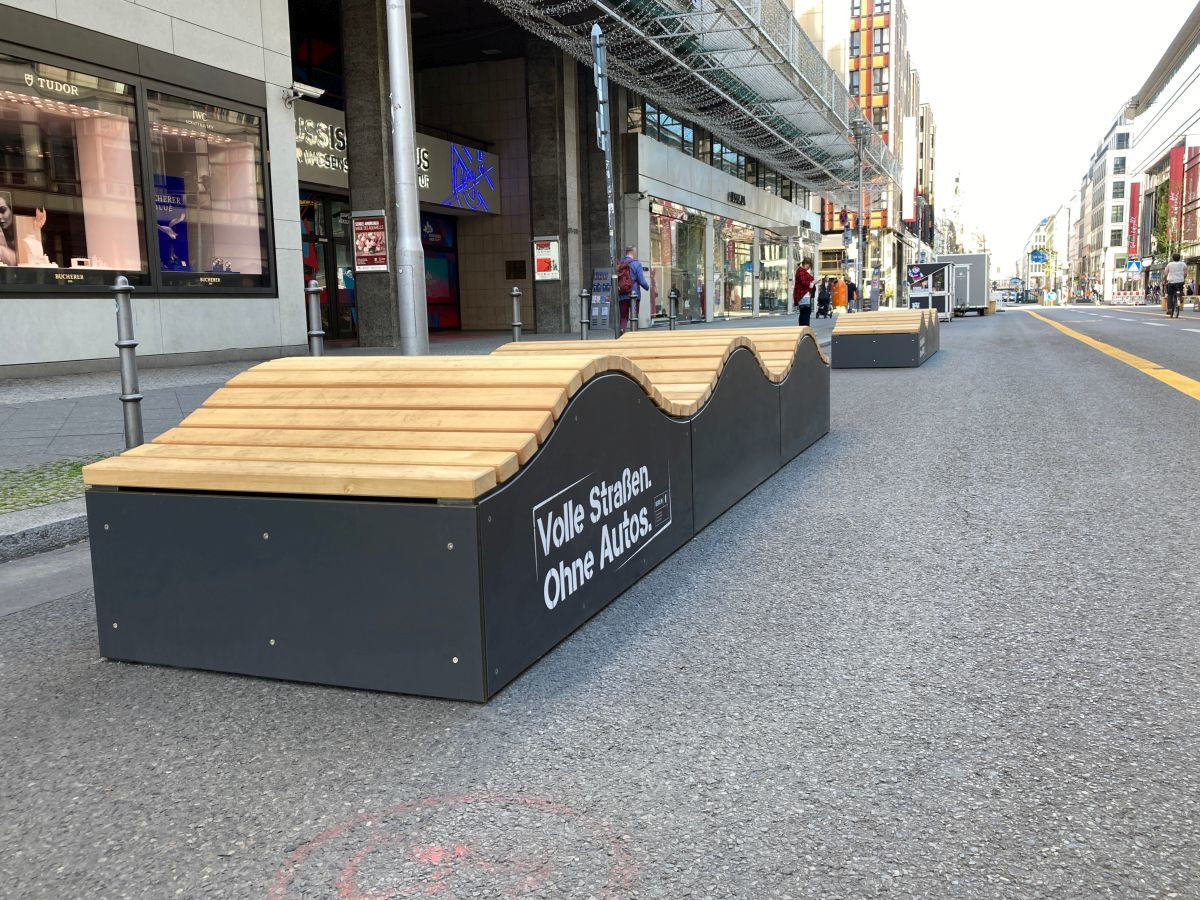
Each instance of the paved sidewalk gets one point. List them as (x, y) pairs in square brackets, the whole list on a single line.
[(49, 427)]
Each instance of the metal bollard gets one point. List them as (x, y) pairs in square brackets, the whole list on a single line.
[(516, 323), (634, 313), (585, 313), (131, 397), (316, 334), (673, 309)]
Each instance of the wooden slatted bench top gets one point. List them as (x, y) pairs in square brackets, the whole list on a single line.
[(900, 321), (433, 427), (682, 367)]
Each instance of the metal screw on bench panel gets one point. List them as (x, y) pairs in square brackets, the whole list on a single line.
[(115, 625), (454, 659), (272, 642), (106, 526), (266, 535), (450, 546)]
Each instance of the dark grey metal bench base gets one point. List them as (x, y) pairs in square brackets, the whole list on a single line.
[(445, 600), (882, 351)]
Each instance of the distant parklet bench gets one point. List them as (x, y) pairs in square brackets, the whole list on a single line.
[(434, 525), (885, 339)]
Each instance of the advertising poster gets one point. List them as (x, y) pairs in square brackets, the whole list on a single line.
[(1174, 193), (370, 241), (170, 213), (545, 259), (1135, 211), (1191, 194)]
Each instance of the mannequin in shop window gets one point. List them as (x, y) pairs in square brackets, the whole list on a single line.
[(20, 236)]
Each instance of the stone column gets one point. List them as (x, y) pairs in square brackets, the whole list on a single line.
[(790, 270), (711, 288), (552, 83), (637, 232), (755, 265), (368, 131)]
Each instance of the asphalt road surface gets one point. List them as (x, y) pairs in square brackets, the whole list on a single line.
[(951, 651)]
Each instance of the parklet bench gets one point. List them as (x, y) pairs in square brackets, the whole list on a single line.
[(885, 339), (434, 525)]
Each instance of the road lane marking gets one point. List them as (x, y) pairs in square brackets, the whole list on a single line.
[(1123, 319), (1193, 330), (1154, 311), (1156, 324), (1103, 316), (1181, 383)]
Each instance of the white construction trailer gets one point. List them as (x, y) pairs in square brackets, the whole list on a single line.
[(972, 289)]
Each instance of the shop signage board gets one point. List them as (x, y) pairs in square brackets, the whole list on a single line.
[(370, 240), (322, 151), (455, 175), (545, 259), (1037, 257)]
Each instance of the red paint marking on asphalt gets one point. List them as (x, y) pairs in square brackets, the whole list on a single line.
[(621, 867)]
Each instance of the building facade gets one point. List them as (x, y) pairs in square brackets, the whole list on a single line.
[(224, 155), (137, 140), (1164, 213), (1099, 271), (900, 216)]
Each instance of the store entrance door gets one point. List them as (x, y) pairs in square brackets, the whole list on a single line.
[(325, 245), (439, 239)]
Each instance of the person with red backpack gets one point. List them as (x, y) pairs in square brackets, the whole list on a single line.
[(803, 290), (630, 282)]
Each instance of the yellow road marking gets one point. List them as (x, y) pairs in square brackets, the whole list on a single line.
[(1181, 383)]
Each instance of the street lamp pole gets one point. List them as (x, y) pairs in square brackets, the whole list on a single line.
[(860, 133)]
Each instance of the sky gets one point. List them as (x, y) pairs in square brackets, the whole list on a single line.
[(1022, 93)]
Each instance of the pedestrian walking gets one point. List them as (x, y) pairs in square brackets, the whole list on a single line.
[(1175, 275), (802, 290), (851, 295), (631, 280), (838, 290)]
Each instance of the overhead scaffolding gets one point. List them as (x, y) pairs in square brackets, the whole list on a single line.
[(743, 69)]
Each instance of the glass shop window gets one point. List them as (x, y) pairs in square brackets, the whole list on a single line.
[(209, 194), (70, 192)]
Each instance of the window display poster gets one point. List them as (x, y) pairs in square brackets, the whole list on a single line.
[(370, 241), (545, 259), (170, 210)]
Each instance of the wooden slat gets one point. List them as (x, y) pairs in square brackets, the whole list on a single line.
[(523, 445), (586, 363), (666, 379), (687, 364), (567, 379), (426, 482), (552, 400), (505, 464), (531, 422)]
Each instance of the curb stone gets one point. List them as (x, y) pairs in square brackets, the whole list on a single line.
[(42, 528)]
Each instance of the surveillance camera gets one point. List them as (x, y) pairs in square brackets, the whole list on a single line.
[(298, 90)]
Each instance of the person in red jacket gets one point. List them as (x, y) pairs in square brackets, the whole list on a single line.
[(802, 291)]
